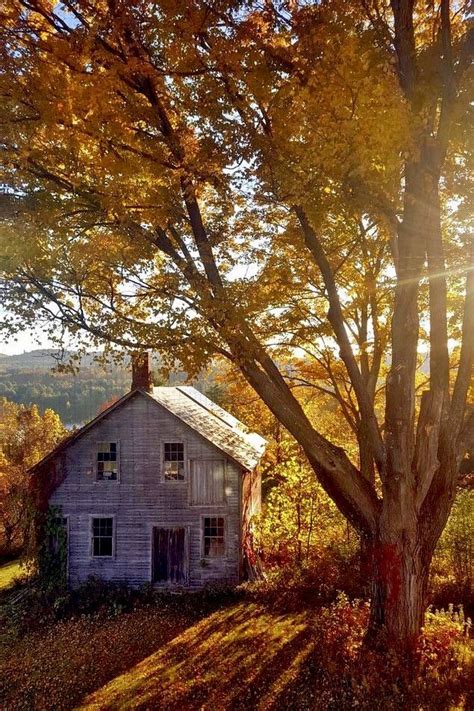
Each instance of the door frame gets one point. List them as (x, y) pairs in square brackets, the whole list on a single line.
[(186, 567)]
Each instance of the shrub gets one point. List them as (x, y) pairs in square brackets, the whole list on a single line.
[(27, 436), (312, 585), (452, 567), (36, 605), (352, 677), (299, 526)]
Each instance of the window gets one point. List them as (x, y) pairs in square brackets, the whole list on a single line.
[(58, 536), (107, 461), (174, 461), (102, 537), (214, 545), (207, 482)]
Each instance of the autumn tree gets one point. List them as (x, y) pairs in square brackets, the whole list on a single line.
[(257, 181), (26, 436)]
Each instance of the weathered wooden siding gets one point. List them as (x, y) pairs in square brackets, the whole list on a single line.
[(141, 499)]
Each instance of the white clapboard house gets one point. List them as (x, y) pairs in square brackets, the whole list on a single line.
[(160, 488)]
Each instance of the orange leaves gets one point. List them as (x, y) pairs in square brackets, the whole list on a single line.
[(26, 437), (253, 108)]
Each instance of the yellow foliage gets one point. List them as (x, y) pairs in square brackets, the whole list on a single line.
[(26, 437)]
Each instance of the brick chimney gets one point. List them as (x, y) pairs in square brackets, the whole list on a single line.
[(141, 371)]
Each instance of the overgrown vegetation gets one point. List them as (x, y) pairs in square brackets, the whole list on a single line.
[(307, 548), (452, 574), (26, 436), (49, 555), (109, 646)]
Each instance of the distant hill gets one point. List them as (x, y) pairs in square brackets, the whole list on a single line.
[(30, 378), (40, 358)]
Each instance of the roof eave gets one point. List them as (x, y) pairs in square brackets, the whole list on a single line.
[(242, 465)]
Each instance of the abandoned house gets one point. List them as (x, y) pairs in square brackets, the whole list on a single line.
[(160, 488)]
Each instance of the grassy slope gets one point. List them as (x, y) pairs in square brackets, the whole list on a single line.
[(154, 659), (231, 659), (240, 655), (9, 572)]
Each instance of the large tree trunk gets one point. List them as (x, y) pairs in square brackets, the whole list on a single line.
[(398, 593)]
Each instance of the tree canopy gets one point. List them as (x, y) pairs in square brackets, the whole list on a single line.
[(25, 438), (281, 184)]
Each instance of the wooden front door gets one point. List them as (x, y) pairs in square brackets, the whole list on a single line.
[(170, 563)]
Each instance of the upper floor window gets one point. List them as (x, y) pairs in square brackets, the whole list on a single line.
[(107, 461), (102, 537), (174, 461)]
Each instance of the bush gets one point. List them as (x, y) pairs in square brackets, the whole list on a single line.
[(299, 525), (354, 678), (452, 567), (27, 436), (34, 606), (311, 585), (97, 596)]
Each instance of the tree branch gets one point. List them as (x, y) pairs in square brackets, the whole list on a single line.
[(336, 319), (464, 374), (405, 46)]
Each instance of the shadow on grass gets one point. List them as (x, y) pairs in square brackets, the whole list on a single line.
[(242, 657)]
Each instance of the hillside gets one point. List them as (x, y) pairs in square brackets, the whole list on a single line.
[(33, 377)]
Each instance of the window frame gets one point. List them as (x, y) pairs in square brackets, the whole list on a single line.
[(185, 463), (66, 529), (96, 462), (221, 504), (203, 528), (91, 536)]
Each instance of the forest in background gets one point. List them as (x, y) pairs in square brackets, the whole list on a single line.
[(28, 378)]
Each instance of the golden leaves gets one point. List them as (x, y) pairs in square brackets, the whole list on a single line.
[(104, 124)]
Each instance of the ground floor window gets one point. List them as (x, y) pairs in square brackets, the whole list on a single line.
[(57, 537), (102, 537), (213, 536)]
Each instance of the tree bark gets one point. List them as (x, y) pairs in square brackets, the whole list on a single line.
[(400, 569)]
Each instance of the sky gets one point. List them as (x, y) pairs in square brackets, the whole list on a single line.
[(24, 342)]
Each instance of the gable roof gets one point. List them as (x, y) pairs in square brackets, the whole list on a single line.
[(206, 418), (213, 423)]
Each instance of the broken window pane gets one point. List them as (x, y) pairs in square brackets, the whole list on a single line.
[(174, 461), (107, 461)]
